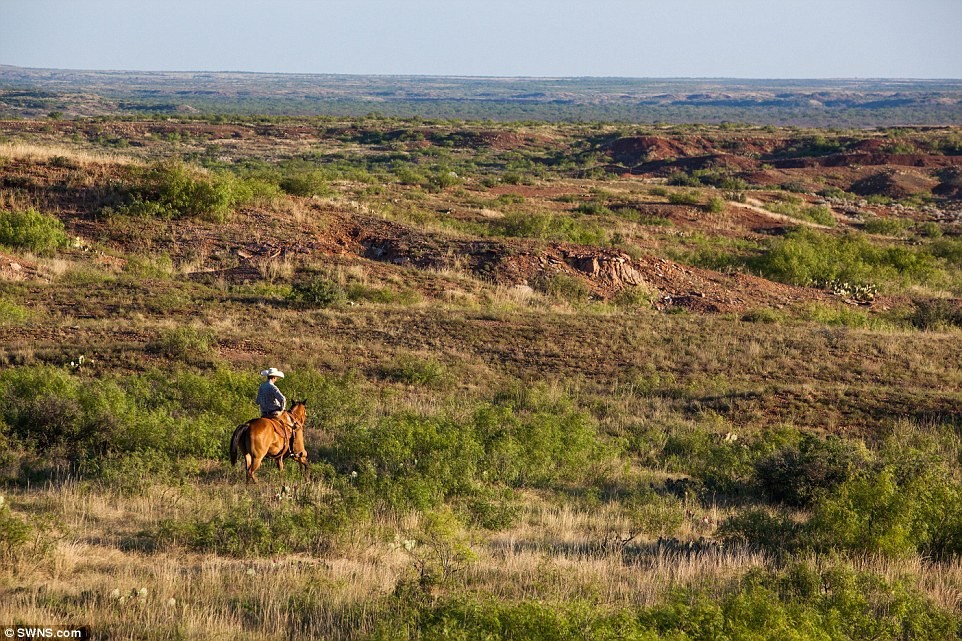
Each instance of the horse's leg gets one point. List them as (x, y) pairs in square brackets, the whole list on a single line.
[(256, 463), (307, 470), (248, 463)]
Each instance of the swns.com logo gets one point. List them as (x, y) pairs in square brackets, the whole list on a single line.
[(48, 632)]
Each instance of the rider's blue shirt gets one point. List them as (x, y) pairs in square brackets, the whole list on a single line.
[(270, 399)]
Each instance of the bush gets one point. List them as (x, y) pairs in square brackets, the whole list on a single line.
[(594, 209), (760, 529), (258, 529), (14, 533), (306, 183), (762, 315), (795, 207), (799, 602), (183, 343), (909, 504), (537, 440), (415, 371), (11, 313), (550, 227), (684, 198), (412, 460), (408, 460), (886, 226), (563, 286), (935, 313), (799, 474), (314, 289), (715, 205), (50, 412), (807, 257), (723, 466), (32, 230), (930, 229), (175, 190), (836, 193)]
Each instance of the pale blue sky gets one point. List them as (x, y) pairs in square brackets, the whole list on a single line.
[(631, 38)]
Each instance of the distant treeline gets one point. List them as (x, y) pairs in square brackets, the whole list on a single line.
[(29, 93)]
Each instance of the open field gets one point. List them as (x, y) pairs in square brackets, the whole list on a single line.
[(563, 380)]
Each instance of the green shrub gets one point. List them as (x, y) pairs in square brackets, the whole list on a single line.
[(412, 460), (935, 313), (632, 297), (759, 529), (807, 257), (185, 343), (48, 411), (800, 602), (14, 533), (175, 190), (11, 313), (682, 179), (949, 250), (910, 504), (820, 214), (684, 198), (415, 371), (594, 209), (715, 205), (886, 226), (800, 473), (563, 286), (795, 187), (259, 529), (722, 466), (840, 315), (408, 460), (762, 315), (552, 227), (306, 183), (537, 440), (32, 230), (315, 289), (443, 179), (837, 193), (930, 229), (795, 207)]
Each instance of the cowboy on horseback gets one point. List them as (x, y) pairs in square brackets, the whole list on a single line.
[(277, 434), (270, 399)]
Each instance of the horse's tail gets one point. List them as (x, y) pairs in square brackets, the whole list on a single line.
[(235, 443)]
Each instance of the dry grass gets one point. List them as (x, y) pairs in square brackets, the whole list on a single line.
[(27, 151), (96, 573)]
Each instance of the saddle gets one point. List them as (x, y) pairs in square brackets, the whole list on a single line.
[(283, 426)]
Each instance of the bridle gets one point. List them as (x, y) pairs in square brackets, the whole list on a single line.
[(298, 425)]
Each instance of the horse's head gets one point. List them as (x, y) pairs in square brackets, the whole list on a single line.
[(299, 411)]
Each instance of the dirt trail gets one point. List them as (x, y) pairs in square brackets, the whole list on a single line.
[(755, 205)]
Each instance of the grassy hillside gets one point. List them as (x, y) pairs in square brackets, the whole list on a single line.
[(563, 381)]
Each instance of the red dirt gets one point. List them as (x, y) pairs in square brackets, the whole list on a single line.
[(14, 268), (894, 184)]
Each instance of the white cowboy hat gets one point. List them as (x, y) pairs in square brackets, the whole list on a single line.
[(272, 371)]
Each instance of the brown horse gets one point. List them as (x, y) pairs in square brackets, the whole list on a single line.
[(270, 437)]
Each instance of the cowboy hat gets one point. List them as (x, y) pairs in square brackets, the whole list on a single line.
[(272, 371)]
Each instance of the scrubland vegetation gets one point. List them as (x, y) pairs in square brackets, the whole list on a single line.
[(550, 396)]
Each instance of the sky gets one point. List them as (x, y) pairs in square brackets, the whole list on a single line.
[(545, 38)]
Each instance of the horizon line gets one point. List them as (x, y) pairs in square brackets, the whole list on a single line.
[(484, 77)]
